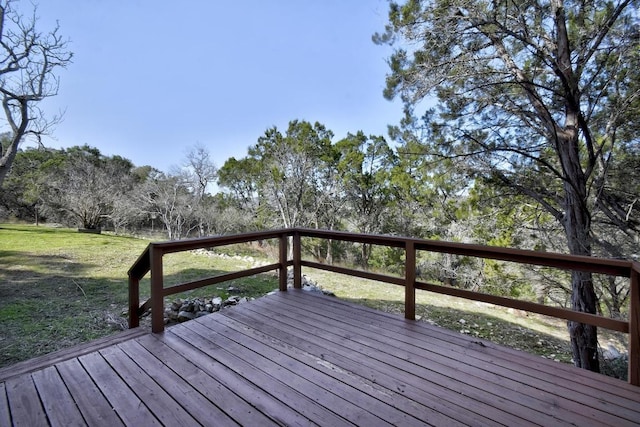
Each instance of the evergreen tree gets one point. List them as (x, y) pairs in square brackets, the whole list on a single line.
[(532, 96)]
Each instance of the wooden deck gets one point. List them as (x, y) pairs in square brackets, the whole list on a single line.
[(300, 359)]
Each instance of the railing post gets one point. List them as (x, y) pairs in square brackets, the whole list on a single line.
[(410, 280), (157, 290), (297, 257), (634, 326), (134, 302), (282, 272)]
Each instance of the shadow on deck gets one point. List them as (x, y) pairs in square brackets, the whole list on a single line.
[(295, 358)]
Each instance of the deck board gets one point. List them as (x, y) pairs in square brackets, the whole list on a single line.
[(345, 373), (280, 365), (163, 406), (93, 405), (5, 414), (58, 404), (52, 358), (358, 392), (538, 383), (195, 392), (243, 365), (547, 399), (515, 366), (513, 360), (298, 359), (124, 401), (24, 403), (440, 404), (264, 402)]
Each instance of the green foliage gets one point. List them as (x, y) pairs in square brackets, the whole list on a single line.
[(505, 129), (364, 167), (240, 176), (23, 187), (77, 186), (389, 260), (529, 99), (283, 176)]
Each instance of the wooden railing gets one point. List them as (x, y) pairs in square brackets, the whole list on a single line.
[(151, 260)]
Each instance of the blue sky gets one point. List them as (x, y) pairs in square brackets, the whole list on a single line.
[(152, 78)]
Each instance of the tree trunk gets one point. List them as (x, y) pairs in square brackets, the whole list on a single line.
[(615, 305), (290, 249), (366, 254), (7, 157), (577, 226), (329, 257), (584, 338), (577, 218)]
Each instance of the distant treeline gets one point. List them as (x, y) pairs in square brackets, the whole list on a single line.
[(302, 178)]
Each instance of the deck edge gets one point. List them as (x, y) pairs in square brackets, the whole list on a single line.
[(50, 359)]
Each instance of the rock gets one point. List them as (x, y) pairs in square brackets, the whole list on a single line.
[(611, 353), (182, 310), (186, 315), (307, 284), (232, 300)]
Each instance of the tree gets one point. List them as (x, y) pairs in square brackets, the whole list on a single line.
[(123, 213), (427, 192), (283, 172), (239, 180), (170, 199), (83, 184), (365, 171), (200, 170), (227, 217), (199, 173), (29, 60), (533, 96), (22, 190)]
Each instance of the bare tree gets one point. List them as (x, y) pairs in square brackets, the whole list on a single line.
[(169, 198), (200, 169), (29, 60), (84, 185), (199, 172)]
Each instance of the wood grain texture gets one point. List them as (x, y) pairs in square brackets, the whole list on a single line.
[(299, 359), (58, 404), (24, 403)]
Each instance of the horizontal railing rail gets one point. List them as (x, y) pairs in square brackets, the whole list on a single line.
[(151, 261)]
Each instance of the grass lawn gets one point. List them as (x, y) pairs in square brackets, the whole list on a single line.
[(59, 288)]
